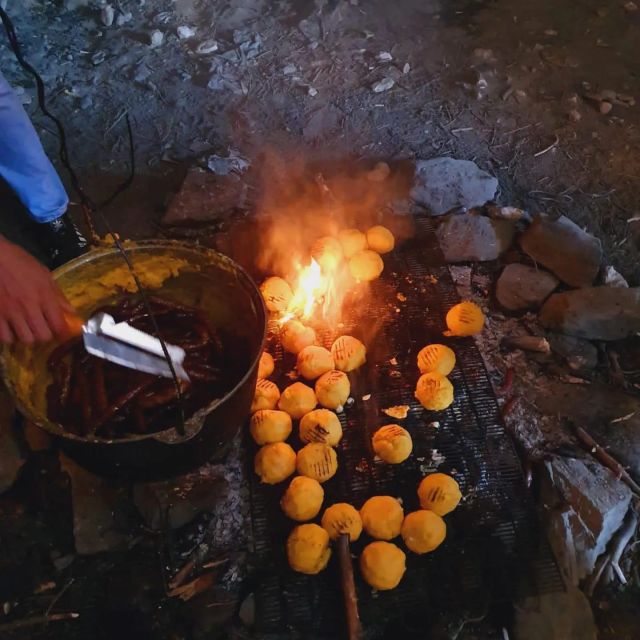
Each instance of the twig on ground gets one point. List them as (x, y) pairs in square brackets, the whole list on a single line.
[(606, 459), (546, 149), (34, 621)]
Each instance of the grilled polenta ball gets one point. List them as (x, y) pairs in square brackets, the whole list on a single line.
[(352, 241), (333, 389), (303, 499), (366, 265), (275, 462), (266, 395), (392, 443), (342, 518), (465, 319), (436, 358), (380, 239), (382, 517), (439, 493), (327, 252), (434, 391), (423, 531), (295, 336), (318, 461), (321, 425), (313, 361), (266, 365), (297, 399), (382, 565), (268, 426), (308, 549), (348, 353), (277, 294)]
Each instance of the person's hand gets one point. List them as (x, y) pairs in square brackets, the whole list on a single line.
[(32, 308)]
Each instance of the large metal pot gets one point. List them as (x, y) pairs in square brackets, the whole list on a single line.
[(181, 272)]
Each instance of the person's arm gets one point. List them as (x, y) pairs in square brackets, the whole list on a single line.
[(32, 307), (23, 162)]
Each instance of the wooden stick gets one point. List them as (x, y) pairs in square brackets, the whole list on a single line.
[(606, 459), (37, 620), (354, 626)]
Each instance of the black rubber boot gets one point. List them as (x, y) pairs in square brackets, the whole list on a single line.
[(60, 240)]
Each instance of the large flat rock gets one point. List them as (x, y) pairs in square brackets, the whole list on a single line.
[(442, 184), (564, 248), (469, 237), (595, 313), (521, 287), (205, 197), (587, 505)]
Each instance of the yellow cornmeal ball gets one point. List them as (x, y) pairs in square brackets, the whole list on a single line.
[(266, 365), (436, 358), (318, 461), (302, 499), (366, 265), (277, 294), (269, 426), (352, 241), (382, 517), (308, 549), (434, 391), (341, 518), (465, 319), (382, 565), (348, 353), (297, 399), (295, 336), (423, 531), (439, 493), (313, 361), (275, 462), (380, 239), (266, 395), (321, 425), (333, 389), (327, 252), (392, 443)]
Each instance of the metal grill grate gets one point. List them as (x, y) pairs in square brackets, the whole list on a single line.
[(492, 546)]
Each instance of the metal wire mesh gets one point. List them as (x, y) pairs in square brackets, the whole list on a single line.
[(493, 544)]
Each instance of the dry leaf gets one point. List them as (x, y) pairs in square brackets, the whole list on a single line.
[(399, 412)]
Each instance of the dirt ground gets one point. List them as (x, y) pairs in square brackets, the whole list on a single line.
[(511, 85), (504, 84)]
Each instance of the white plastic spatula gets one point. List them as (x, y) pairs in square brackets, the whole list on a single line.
[(125, 345)]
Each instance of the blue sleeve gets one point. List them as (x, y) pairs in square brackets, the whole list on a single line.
[(23, 162)]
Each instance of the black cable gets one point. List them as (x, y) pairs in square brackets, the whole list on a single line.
[(86, 202)]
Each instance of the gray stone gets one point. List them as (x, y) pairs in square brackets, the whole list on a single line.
[(586, 505), (442, 184), (564, 248), (581, 355), (205, 197), (595, 313), (466, 237), (124, 18), (94, 502), (176, 502), (107, 13), (555, 616), (11, 459), (612, 278), (156, 38), (522, 287)]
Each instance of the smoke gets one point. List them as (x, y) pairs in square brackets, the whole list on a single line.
[(301, 201)]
